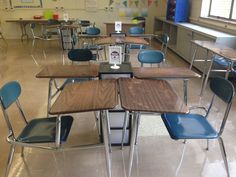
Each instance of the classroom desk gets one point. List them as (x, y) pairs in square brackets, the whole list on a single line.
[(147, 95), (126, 25), (120, 40), (216, 49), (167, 73), (124, 41), (96, 95), (24, 22), (64, 72)]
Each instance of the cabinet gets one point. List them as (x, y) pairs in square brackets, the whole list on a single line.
[(181, 35), (177, 10)]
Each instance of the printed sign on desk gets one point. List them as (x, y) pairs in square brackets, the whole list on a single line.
[(118, 26), (115, 56)]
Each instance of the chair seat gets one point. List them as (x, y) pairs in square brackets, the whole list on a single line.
[(222, 61), (188, 126), (137, 46), (43, 130)]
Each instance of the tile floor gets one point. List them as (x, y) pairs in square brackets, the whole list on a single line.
[(156, 153)]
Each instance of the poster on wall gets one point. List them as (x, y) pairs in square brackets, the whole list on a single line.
[(26, 3)]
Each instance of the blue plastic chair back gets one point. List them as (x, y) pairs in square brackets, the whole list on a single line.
[(150, 56), (136, 30), (92, 31), (223, 88), (80, 55), (9, 93), (164, 38)]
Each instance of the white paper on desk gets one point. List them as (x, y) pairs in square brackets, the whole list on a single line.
[(115, 55), (118, 26)]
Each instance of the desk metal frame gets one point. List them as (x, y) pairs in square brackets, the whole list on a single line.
[(147, 95), (96, 95), (215, 49), (65, 72)]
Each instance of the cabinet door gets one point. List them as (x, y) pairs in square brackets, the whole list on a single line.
[(201, 53), (184, 37)]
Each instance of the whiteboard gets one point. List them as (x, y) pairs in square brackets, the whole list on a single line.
[(26, 3)]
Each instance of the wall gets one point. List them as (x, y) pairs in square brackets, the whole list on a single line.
[(75, 9)]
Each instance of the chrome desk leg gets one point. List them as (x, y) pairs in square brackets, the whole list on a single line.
[(223, 152), (185, 91), (10, 158), (49, 96), (108, 129), (193, 57), (132, 143), (124, 128), (106, 142), (58, 131), (207, 75)]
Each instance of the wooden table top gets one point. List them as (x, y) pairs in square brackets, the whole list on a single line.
[(86, 96), (69, 71), (31, 20), (164, 73), (217, 48), (149, 95), (121, 40)]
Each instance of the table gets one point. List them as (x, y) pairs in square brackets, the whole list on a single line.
[(110, 26), (24, 22), (216, 49), (147, 95), (121, 41), (63, 72), (167, 73), (96, 95)]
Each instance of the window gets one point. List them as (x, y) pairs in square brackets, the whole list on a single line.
[(225, 9)]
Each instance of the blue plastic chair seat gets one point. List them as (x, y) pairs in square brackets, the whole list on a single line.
[(136, 46), (222, 61), (188, 126), (44, 130)]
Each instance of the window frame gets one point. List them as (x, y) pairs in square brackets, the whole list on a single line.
[(223, 18)]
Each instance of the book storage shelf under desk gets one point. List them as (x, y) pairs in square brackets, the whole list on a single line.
[(116, 115)]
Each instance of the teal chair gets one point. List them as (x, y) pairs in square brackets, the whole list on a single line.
[(37, 130), (196, 126), (150, 57), (135, 31)]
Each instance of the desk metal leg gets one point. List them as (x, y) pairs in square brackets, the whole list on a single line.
[(23, 31), (185, 87), (205, 79), (132, 143), (105, 127), (193, 57), (124, 128), (49, 96), (58, 131)]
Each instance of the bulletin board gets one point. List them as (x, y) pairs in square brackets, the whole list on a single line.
[(26, 3)]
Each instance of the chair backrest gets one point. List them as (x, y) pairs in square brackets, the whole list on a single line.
[(80, 55), (84, 23), (223, 89), (92, 31), (136, 30), (9, 94), (164, 38), (53, 22), (150, 56)]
